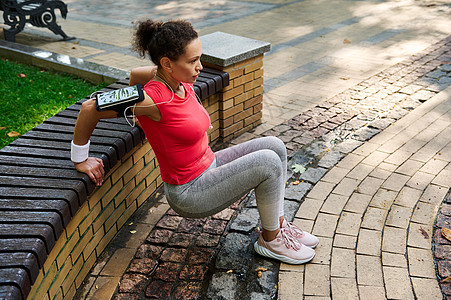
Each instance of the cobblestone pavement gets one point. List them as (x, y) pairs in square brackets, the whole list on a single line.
[(359, 92), (372, 204)]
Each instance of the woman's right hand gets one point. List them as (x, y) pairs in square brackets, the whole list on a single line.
[(93, 167)]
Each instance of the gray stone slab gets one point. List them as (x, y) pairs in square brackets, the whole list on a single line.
[(330, 159), (348, 146), (290, 208), (223, 286), (313, 175), (232, 255), (297, 192), (224, 49), (246, 221), (365, 133)]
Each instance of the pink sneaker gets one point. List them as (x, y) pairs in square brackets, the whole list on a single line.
[(284, 248), (303, 237)]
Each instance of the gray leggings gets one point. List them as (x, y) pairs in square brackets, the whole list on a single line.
[(259, 164)]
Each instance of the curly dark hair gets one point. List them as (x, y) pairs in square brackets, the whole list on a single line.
[(162, 39)]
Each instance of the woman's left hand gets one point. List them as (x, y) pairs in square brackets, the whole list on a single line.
[(93, 167)]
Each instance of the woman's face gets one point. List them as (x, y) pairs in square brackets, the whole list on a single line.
[(188, 66)]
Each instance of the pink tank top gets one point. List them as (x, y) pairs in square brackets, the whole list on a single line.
[(179, 139)]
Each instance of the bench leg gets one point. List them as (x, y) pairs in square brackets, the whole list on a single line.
[(48, 18), (9, 36), (16, 23)]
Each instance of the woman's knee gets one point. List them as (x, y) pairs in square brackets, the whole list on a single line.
[(271, 160), (277, 145)]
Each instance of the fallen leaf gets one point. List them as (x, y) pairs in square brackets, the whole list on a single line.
[(424, 233), (446, 232), (297, 168), (260, 271), (76, 43), (229, 271), (346, 41), (13, 134), (447, 279), (21, 75), (132, 231), (1, 128), (296, 182), (345, 78)]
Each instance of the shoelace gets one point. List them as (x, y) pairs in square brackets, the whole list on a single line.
[(289, 240), (294, 230)]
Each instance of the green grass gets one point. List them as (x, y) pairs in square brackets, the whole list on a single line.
[(30, 95)]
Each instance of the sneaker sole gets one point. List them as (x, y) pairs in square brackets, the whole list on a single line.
[(268, 253), (313, 247)]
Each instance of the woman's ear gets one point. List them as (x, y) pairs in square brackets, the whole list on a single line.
[(166, 64)]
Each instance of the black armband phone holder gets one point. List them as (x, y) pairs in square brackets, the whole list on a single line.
[(118, 100)]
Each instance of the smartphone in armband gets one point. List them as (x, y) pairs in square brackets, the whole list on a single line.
[(119, 99)]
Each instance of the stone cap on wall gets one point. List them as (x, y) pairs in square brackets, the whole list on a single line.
[(224, 49)]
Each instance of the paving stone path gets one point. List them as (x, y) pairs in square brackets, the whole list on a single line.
[(373, 204)]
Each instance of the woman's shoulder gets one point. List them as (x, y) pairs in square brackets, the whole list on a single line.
[(153, 84)]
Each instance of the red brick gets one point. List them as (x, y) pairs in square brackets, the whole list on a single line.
[(193, 272), (233, 92), (226, 122), (159, 289), (189, 290), (231, 111), (253, 84), (181, 240), (243, 97), (446, 209), (226, 132), (442, 251), (132, 283), (252, 67), (167, 271), (191, 226), (142, 265), (159, 236), (242, 115), (207, 240), (444, 268), (215, 226), (254, 101), (149, 251), (170, 222), (173, 254), (126, 296), (253, 118), (258, 108), (199, 256)]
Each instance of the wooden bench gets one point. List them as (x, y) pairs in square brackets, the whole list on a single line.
[(40, 13), (41, 192)]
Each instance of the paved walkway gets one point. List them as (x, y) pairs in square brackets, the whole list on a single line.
[(374, 214), (369, 121)]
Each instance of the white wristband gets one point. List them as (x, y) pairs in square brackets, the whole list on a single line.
[(79, 153)]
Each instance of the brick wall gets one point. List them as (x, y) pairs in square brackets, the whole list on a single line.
[(233, 111), (132, 180), (240, 104)]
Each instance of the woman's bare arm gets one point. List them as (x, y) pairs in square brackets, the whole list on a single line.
[(142, 75), (87, 120)]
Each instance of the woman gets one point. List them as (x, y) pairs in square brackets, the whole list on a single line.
[(197, 182)]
